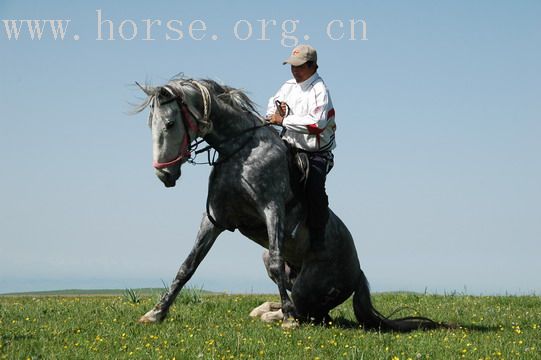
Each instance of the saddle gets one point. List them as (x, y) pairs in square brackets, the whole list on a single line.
[(299, 169)]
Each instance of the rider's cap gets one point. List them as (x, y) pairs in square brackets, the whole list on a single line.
[(301, 54)]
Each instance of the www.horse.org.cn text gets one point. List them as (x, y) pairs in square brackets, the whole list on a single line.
[(287, 31)]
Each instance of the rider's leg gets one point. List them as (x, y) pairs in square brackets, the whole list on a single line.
[(317, 201)]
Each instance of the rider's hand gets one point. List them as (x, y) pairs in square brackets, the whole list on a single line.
[(276, 119), (283, 107)]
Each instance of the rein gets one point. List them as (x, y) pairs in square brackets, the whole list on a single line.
[(212, 158)]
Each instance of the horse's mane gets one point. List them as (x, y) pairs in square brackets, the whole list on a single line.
[(229, 96), (235, 98)]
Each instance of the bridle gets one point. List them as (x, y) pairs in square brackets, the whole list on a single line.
[(189, 125)]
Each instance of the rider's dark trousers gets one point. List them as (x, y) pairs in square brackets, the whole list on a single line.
[(317, 201)]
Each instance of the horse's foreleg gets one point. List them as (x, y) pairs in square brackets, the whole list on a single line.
[(205, 239), (291, 273), (276, 264)]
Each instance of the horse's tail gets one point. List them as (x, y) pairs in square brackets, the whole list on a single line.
[(370, 318)]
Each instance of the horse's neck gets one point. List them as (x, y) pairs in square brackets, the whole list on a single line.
[(228, 125)]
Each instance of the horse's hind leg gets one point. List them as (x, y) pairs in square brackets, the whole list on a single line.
[(319, 288), (205, 239)]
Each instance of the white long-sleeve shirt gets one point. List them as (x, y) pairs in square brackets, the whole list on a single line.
[(310, 123)]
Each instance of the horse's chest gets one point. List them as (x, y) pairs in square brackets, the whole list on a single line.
[(229, 191)]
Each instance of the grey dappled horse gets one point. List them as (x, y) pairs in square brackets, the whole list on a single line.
[(249, 190)]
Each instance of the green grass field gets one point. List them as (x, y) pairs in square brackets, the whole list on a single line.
[(205, 326)]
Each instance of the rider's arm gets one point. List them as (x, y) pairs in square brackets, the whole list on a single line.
[(280, 96), (317, 119)]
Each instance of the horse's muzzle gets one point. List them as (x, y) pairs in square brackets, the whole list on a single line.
[(168, 178)]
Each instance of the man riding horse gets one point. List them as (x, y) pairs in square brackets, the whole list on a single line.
[(304, 108), (250, 191)]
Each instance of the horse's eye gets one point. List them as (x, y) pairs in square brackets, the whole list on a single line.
[(169, 124)]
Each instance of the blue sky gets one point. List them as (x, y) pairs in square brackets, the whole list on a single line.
[(437, 170)]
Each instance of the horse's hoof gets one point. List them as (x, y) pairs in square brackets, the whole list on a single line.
[(153, 316), (289, 324), (145, 320), (272, 316), (265, 308)]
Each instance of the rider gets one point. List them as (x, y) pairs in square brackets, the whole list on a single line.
[(304, 108)]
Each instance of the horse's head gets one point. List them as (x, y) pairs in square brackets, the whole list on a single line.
[(173, 123), (180, 111)]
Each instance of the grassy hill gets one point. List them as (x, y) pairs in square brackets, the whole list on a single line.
[(87, 292), (97, 292)]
